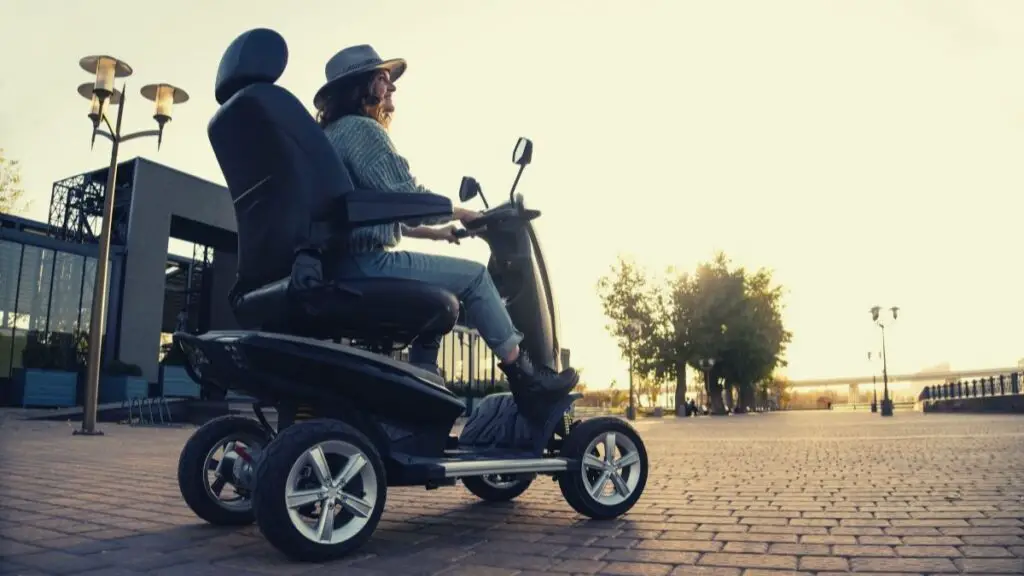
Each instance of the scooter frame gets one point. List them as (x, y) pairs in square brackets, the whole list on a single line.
[(497, 455)]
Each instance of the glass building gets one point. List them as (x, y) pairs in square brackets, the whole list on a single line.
[(45, 295)]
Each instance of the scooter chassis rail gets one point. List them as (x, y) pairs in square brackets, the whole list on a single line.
[(460, 469)]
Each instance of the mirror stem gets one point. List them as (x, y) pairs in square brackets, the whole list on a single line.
[(511, 193)]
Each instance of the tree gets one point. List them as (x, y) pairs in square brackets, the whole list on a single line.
[(718, 313), (705, 306), (758, 338), (734, 318), (629, 299), (12, 194)]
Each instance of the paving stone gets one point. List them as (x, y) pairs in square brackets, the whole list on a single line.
[(818, 563), (991, 565), (808, 493), (911, 565)]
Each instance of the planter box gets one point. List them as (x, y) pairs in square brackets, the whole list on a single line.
[(176, 383), (50, 388), (116, 389)]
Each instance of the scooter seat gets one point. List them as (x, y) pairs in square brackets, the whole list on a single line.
[(367, 309)]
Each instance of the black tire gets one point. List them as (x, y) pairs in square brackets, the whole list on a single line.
[(192, 479), (272, 472), (571, 482), (484, 490)]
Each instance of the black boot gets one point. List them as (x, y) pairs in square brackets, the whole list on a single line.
[(536, 388)]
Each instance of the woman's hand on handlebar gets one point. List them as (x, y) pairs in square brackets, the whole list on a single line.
[(450, 233)]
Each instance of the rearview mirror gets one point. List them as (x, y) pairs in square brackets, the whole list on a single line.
[(468, 189), (523, 152)]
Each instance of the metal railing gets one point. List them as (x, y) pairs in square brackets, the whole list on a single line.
[(993, 386)]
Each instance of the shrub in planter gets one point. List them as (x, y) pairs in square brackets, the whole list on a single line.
[(121, 381), (174, 379), (49, 373)]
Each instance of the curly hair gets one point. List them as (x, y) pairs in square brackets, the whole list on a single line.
[(353, 97)]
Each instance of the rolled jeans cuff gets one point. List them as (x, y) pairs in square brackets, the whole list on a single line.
[(505, 348)]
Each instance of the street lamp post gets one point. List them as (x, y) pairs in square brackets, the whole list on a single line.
[(886, 400), (874, 389), (101, 95), (634, 333)]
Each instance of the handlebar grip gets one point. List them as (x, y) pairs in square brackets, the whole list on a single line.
[(461, 233)]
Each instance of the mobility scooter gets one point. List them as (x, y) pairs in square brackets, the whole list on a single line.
[(352, 420)]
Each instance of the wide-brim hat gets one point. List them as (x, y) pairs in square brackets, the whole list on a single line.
[(352, 61)]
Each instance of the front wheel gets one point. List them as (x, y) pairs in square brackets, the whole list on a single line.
[(610, 471), (320, 490), (498, 487)]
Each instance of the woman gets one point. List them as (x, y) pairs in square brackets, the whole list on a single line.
[(355, 109)]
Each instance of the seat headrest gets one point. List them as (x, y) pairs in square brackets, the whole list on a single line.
[(259, 55)]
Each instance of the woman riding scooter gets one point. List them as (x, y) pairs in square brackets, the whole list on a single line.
[(355, 108)]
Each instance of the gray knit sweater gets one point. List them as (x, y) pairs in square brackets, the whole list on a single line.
[(371, 158)]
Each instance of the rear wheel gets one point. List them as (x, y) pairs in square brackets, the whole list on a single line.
[(215, 469), (498, 487), (320, 490), (610, 471)]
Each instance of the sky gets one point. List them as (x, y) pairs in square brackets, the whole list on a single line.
[(866, 152)]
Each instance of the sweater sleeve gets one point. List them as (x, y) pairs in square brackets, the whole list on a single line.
[(379, 165)]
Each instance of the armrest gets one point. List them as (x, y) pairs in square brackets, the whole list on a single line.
[(370, 207)]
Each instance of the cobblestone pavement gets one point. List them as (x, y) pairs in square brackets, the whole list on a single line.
[(762, 494)]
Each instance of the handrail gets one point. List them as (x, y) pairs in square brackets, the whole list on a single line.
[(1004, 385)]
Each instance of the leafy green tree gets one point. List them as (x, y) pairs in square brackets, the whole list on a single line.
[(757, 340), (12, 193), (717, 312), (629, 301), (705, 306), (736, 319)]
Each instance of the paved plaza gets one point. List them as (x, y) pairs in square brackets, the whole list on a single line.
[(781, 493)]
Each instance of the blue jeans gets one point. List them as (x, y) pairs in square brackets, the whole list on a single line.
[(469, 281)]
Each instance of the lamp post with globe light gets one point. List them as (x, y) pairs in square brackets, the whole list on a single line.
[(876, 317), (101, 95)]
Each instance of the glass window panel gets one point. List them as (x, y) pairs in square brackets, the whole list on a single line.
[(65, 302), (88, 281), (20, 340), (34, 288), (10, 272)]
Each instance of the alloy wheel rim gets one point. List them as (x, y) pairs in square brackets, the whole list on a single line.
[(215, 484), (331, 492), (611, 468)]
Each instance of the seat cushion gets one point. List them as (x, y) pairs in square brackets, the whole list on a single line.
[(370, 309)]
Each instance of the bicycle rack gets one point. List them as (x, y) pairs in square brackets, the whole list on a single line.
[(147, 411)]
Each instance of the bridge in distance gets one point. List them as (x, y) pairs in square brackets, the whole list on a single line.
[(922, 377)]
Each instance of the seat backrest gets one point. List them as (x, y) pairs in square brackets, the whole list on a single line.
[(280, 168)]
